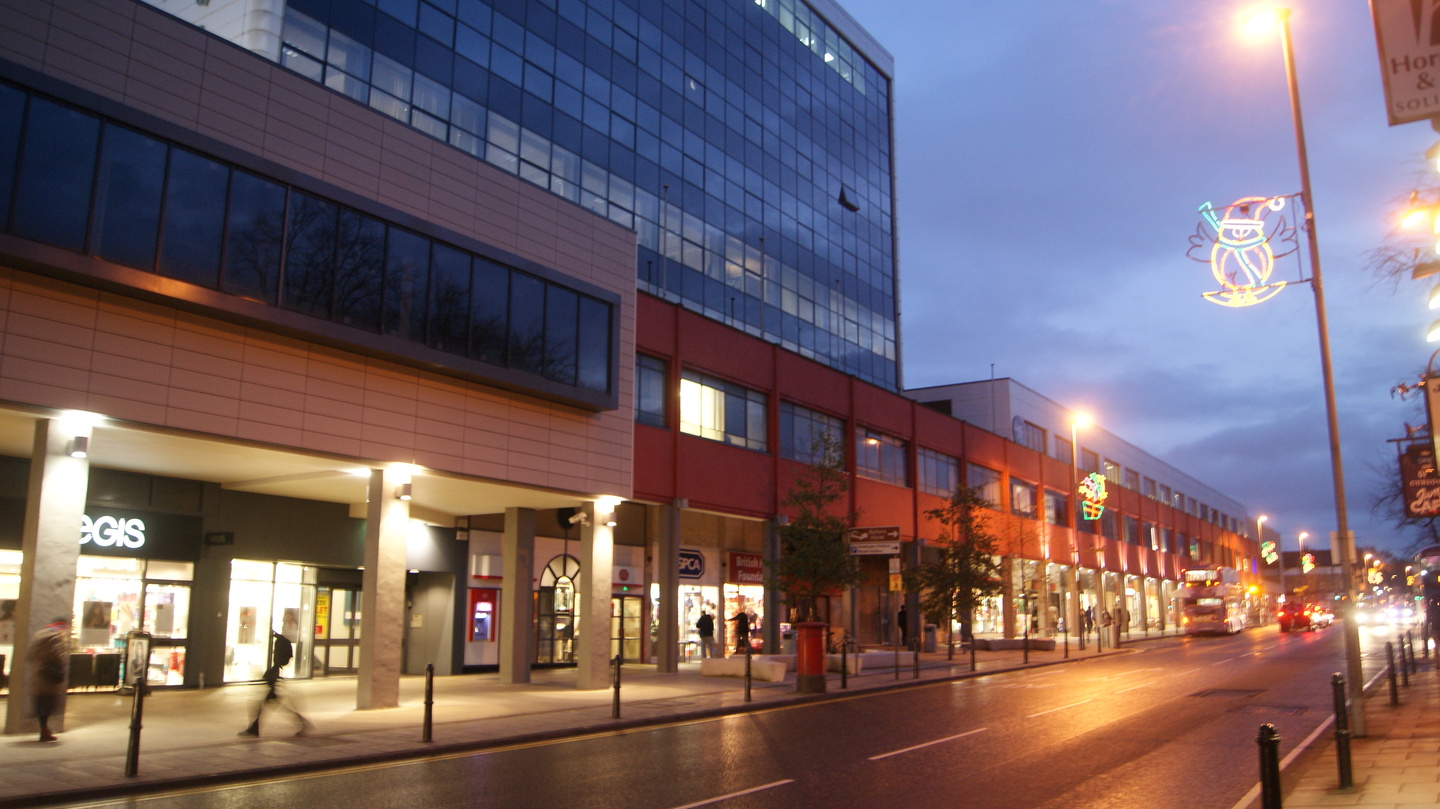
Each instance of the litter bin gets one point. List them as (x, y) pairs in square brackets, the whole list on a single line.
[(929, 638), (787, 642)]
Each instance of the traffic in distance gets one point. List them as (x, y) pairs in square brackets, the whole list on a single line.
[(1213, 602)]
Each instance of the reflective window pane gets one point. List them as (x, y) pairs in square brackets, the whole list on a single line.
[(254, 236), (127, 198), (12, 115), (527, 323), (489, 308), (309, 263), (359, 270), (449, 299), (194, 218), (595, 353), (561, 312), (57, 171), (407, 279)]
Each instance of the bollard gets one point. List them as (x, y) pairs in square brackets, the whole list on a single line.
[(916, 644), (747, 673), (1269, 741), (1425, 640), (615, 679), (1410, 647), (844, 661), (1342, 732), (972, 651), (1404, 663), (426, 728), (137, 714), (1390, 660), (897, 661)]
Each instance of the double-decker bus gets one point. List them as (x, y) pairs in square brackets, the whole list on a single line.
[(1212, 601)]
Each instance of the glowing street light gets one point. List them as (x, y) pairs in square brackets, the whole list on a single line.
[(1354, 682)]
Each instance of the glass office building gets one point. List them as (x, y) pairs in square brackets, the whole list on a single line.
[(747, 142)]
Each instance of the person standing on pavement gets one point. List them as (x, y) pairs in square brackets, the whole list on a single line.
[(904, 620), (742, 631), (1122, 621), (282, 651), (49, 664), (706, 629)]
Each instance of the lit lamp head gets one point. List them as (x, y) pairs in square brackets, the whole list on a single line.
[(1433, 155), (1433, 334)]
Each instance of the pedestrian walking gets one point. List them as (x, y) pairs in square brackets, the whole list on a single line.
[(49, 664), (706, 629), (282, 651), (904, 619)]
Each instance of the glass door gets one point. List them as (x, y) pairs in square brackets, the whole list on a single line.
[(337, 631), (625, 623)]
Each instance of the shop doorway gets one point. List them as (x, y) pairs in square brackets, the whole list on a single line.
[(555, 612), (337, 631), (625, 625)]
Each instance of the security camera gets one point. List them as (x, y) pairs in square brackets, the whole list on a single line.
[(579, 518)]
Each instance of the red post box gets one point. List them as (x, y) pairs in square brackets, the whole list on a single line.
[(810, 657)]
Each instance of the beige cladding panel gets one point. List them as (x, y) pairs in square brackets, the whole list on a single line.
[(66, 346)]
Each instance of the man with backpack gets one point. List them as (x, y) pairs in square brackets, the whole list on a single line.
[(281, 653)]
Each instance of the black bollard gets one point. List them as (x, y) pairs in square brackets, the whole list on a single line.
[(747, 673), (916, 644), (1404, 663), (972, 651), (1269, 741), (1410, 647), (1425, 640), (615, 680), (428, 726), (1390, 660), (137, 715), (1342, 732), (844, 661), (897, 661)]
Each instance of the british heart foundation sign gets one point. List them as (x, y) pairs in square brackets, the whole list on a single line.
[(746, 568)]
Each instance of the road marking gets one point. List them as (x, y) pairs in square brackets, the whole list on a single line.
[(1134, 687), (927, 744), (1061, 708), (760, 788), (1226, 660)]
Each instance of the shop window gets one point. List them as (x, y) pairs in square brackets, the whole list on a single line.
[(555, 611), (268, 597), (881, 457), (721, 411), (939, 473), (805, 434)]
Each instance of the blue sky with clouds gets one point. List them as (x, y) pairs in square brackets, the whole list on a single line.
[(1051, 157)]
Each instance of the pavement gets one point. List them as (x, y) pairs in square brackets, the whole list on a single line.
[(189, 737)]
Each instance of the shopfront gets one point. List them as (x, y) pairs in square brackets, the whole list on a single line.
[(699, 593), (744, 593), (268, 597)]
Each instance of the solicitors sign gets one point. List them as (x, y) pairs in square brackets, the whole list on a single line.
[(1407, 37)]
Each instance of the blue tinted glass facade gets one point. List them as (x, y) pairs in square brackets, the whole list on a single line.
[(746, 142)]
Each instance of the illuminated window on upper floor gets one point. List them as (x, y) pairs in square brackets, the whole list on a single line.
[(882, 457), (722, 411), (985, 479), (939, 473)]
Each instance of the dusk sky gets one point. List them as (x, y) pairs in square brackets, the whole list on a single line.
[(1051, 160)]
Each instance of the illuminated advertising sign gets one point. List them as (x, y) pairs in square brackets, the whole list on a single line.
[(113, 531)]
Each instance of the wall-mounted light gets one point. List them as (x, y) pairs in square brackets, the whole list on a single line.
[(80, 447), (610, 519), (403, 493)]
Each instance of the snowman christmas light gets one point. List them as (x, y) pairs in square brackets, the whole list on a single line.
[(1241, 247)]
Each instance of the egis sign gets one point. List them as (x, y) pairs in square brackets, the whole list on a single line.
[(112, 532)]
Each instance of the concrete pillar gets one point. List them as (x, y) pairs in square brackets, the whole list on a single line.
[(1008, 611), (592, 598), (517, 601), (50, 541), (665, 521), (773, 619), (382, 598)]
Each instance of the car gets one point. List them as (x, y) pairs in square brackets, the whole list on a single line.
[(1293, 617), (1320, 617)]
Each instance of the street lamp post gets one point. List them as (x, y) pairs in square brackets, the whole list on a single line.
[(1260, 540), (1077, 421), (1354, 683)]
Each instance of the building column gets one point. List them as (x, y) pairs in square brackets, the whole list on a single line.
[(1007, 596), (517, 602), (50, 541), (771, 631), (665, 522), (592, 597), (382, 596)]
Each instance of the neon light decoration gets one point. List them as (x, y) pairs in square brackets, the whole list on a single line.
[(1307, 563), (1267, 550), (1092, 495), (1241, 248)]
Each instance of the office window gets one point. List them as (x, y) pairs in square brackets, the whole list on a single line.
[(1132, 480), (1089, 461), (1147, 488), (1167, 540), (722, 411), (1164, 495), (1204, 513), (1112, 471), (1030, 435), (1022, 498), (1132, 530), (650, 373), (1056, 506), (986, 480), (1062, 449), (806, 435), (1194, 545), (1149, 537), (1109, 526), (881, 457), (1190, 506), (1177, 500), (939, 474)]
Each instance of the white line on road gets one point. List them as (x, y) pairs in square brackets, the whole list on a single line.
[(720, 798), (927, 744), (1061, 708), (1135, 687)]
